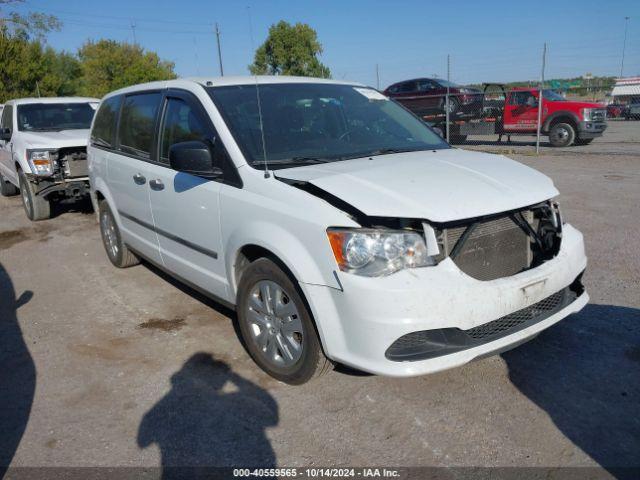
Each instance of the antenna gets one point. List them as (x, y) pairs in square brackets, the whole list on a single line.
[(255, 76), (195, 51), (219, 50)]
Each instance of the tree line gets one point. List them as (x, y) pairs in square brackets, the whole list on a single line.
[(30, 68)]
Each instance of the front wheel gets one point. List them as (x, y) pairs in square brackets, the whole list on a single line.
[(36, 207), (276, 325), (562, 135), (7, 189)]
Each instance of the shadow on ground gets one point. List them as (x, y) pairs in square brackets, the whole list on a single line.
[(17, 372), (71, 205), (585, 373), (212, 417)]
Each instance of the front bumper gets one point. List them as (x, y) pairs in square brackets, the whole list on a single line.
[(359, 323), (591, 129), (73, 187)]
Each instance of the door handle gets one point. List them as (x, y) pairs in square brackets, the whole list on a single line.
[(139, 179), (156, 184)]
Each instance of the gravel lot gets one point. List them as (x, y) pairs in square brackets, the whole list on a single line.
[(107, 367)]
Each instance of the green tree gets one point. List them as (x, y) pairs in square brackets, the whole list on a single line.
[(290, 50), (107, 65), (33, 25)]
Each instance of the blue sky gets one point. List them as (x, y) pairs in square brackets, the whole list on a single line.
[(487, 41)]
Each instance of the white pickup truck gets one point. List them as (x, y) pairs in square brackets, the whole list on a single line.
[(43, 150)]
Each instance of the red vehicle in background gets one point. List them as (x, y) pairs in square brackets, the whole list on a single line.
[(615, 110), (427, 96), (565, 122)]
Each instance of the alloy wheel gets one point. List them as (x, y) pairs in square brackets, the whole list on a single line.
[(275, 324)]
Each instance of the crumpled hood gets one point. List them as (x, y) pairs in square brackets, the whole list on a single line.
[(440, 186), (61, 139)]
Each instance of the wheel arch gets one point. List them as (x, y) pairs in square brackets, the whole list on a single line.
[(251, 252), (561, 116)]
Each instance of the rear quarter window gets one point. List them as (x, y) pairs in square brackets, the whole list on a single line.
[(104, 126), (137, 123)]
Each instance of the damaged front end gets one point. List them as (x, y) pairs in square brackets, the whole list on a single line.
[(485, 248), (61, 172), (502, 245)]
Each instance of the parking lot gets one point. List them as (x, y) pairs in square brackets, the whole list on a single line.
[(108, 367)]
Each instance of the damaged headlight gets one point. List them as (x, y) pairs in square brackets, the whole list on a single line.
[(41, 161), (377, 252)]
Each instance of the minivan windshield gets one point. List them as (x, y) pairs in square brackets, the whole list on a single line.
[(53, 117), (305, 123)]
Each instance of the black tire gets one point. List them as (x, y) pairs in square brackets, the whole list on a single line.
[(312, 361), (457, 139), (36, 207), (454, 104), (7, 189), (562, 134), (583, 141), (120, 256)]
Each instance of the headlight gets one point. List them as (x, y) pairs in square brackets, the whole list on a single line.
[(376, 253), (41, 161), (587, 113)]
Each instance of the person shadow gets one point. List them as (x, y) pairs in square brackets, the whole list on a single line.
[(17, 372), (585, 373), (211, 418)]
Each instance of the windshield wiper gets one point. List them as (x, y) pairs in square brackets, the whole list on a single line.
[(387, 151), (45, 129), (293, 161)]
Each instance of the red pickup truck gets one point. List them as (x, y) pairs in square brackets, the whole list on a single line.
[(565, 122)]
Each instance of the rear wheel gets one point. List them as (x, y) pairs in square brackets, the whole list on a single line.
[(7, 189), (562, 135), (117, 251), (454, 104), (456, 139), (36, 207), (276, 326)]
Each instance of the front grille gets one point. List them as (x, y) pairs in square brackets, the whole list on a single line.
[(599, 115), (495, 248), (528, 314), (74, 161)]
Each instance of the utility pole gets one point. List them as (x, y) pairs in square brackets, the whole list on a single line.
[(133, 30), (219, 50), (447, 99), (377, 77), (624, 44), (541, 97)]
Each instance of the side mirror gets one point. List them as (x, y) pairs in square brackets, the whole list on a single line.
[(194, 158), (5, 134)]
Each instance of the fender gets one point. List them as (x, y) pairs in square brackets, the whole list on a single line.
[(99, 185), (560, 113), (306, 266)]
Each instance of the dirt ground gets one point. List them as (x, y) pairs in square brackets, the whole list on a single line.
[(127, 368)]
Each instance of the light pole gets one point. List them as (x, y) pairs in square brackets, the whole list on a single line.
[(624, 44)]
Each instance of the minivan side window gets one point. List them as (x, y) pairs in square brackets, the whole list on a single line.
[(182, 123), (104, 126), (137, 123)]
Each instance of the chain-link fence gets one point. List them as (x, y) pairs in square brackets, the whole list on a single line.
[(502, 116), (497, 116)]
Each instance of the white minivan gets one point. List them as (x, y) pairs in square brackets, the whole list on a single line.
[(338, 225)]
